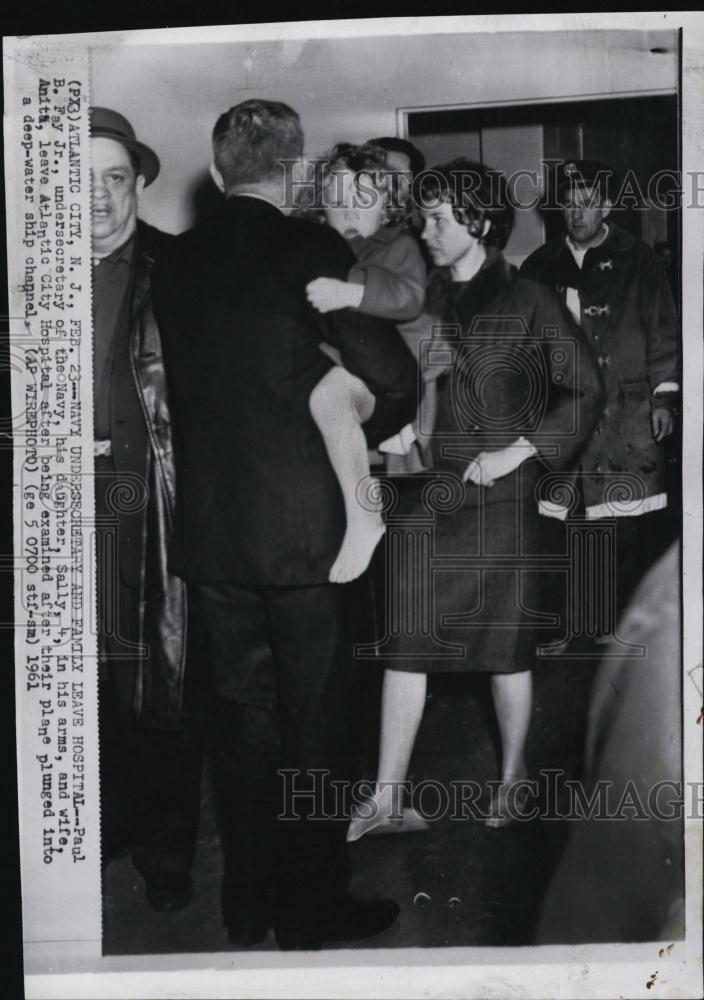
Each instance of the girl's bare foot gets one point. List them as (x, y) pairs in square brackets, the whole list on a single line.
[(363, 534)]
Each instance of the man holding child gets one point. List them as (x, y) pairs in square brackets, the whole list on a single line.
[(259, 520)]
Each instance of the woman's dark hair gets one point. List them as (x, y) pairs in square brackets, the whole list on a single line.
[(477, 194)]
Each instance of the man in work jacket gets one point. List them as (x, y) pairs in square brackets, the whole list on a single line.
[(618, 292)]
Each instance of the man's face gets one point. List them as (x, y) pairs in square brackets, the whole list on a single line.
[(447, 240), (116, 191), (584, 215), (354, 209)]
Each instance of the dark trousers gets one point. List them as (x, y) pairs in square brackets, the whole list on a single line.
[(167, 798), (640, 541), (149, 779), (608, 559), (286, 692)]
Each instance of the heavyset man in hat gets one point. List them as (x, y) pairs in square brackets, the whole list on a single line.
[(150, 768), (618, 292)]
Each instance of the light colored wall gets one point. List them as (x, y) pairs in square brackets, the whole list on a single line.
[(351, 88), (511, 150), (504, 148)]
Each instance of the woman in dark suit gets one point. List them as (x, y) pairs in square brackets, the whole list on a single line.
[(520, 397)]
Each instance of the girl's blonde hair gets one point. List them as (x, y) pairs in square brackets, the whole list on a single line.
[(366, 158)]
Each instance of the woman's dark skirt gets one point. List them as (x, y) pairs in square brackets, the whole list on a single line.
[(464, 588)]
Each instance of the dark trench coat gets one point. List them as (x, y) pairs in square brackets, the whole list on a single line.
[(160, 675)]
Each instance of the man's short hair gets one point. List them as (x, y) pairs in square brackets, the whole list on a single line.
[(392, 144), (476, 193), (251, 139)]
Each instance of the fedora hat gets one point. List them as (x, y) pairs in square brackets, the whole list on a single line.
[(108, 124)]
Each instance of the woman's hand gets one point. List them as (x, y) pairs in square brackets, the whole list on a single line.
[(328, 294), (489, 466)]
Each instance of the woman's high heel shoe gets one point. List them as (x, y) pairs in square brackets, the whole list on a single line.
[(506, 808)]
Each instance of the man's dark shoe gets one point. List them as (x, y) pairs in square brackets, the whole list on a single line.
[(247, 913), (168, 891), (247, 931), (348, 919)]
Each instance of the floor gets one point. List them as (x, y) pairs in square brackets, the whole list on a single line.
[(458, 884)]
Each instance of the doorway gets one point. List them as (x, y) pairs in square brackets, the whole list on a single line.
[(638, 134)]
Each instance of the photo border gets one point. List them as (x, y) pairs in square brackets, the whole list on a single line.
[(589, 971)]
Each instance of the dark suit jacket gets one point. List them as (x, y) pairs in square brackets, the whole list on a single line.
[(257, 500)]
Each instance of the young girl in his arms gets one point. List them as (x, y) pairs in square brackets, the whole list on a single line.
[(387, 281)]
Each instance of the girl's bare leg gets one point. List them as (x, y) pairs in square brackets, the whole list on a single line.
[(340, 404)]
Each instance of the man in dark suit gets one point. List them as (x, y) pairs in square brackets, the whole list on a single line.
[(259, 520)]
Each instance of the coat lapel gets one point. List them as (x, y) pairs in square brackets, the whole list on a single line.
[(564, 272), (142, 280), (484, 293), (459, 303)]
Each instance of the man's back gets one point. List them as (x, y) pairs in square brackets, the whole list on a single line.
[(258, 502)]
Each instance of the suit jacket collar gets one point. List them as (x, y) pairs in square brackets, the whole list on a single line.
[(253, 204), (123, 254), (618, 240)]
